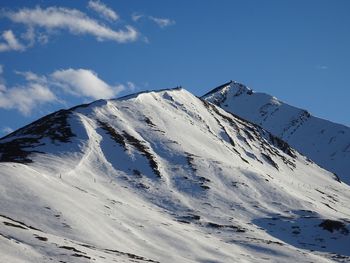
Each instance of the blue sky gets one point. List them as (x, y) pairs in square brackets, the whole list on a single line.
[(56, 54)]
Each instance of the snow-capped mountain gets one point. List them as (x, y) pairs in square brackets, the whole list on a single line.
[(325, 142), (164, 177)]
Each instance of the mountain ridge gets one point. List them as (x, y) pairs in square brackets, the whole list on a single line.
[(323, 141), (166, 177)]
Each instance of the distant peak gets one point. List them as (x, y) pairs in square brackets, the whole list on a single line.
[(230, 85), (218, 88), (228, 89)]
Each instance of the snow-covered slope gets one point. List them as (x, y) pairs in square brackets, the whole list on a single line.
[(164, 177), (325, 142)]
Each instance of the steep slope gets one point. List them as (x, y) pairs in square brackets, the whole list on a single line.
[(164, 177), (325, 142)]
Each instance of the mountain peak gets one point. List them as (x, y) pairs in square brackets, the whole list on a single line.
[(323, 141), (229, 89)]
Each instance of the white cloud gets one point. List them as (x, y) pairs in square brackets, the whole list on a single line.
[(162, 22), (84, 82), (26, 98), (40, 90), (6, 130), (73, 20), (103, 10), (11, 42)]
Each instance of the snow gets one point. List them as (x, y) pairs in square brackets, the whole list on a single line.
[(325, 142), (166, 177)]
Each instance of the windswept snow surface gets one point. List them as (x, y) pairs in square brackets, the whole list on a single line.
[(325, 142), (164, 177)]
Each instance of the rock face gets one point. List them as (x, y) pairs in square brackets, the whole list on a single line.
[(164, 177), (324, 142)]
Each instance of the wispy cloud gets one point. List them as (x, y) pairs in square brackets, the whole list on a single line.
[(131, 85), (30, 76), (84, 82), (2, 81), (11, 42), (32, 36), (29, 36), (103, 10), (162, 22), (73, 20), (321, 67), (136, 17)]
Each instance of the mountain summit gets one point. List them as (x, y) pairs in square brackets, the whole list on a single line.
[(164, 177), (325, 142)]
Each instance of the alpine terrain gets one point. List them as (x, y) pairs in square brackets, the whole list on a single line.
[(325, 142), (168, 177)]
